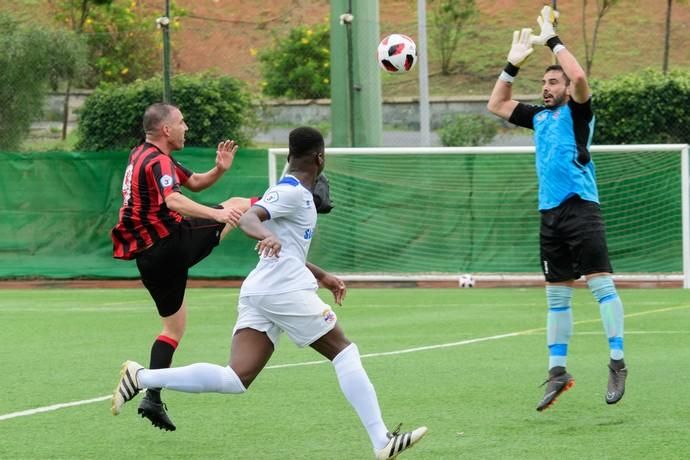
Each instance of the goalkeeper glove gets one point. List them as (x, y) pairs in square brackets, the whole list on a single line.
[(521, 48), (547, 20)]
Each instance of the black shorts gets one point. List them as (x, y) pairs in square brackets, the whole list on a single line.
[(164, 266), (573, 241)]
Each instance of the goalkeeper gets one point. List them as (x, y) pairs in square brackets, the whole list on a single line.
[(572, 237)]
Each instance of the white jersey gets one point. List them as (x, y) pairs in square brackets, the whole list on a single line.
[(292, 219)]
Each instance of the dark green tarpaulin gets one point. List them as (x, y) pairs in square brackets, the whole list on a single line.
[(57, 209), (398, 214)]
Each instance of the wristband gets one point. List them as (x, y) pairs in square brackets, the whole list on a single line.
[(505, 76), (511, 70), (553, 42), (558, 48)]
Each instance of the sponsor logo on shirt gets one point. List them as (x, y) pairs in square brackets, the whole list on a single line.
[(329, 315), (308, 233), (166, 181)]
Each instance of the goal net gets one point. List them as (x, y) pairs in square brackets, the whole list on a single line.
[(436, 213)]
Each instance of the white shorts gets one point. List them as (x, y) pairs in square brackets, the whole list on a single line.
[(301, 314)]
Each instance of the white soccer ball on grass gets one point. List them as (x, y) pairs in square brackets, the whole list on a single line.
[(466, 281)]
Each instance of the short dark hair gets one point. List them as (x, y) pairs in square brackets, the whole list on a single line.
[(558, 68), (305, 141), (155, 114)]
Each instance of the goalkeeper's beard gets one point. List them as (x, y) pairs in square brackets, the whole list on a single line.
[(555, 101)]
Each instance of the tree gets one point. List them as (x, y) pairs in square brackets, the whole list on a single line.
[(450, 18), (74, 13), (32, 58), (297, 66), (603, 7), (121, 37), (667, 33)]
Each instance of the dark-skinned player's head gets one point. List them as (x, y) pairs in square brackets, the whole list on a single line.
[(307, 148)]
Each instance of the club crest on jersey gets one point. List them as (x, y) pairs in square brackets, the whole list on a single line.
[(166, 181), (329, 316), (271, 197)]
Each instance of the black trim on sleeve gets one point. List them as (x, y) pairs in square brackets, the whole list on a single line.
[(523, 115)]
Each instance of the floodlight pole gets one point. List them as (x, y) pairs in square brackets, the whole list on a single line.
[(424, 122), (163, 23)]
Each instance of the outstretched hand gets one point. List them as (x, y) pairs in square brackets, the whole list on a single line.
[(547, 21), (225, 154), (336, 286), (228, 215), (521, 48)]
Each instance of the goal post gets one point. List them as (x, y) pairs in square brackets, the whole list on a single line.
[(405, 214)]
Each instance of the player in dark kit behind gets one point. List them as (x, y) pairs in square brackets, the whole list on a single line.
[(572, 237), (166, 232)]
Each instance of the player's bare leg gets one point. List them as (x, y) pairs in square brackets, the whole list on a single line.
[(359, 391), (249, 354)]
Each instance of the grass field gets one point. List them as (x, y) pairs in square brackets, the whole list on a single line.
[(466, 363)]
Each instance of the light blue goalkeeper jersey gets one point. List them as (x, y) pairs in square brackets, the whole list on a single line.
[(562, 136)]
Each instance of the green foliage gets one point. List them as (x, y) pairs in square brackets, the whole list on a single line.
[(215, 108), (450, 18), (297, 66), (467, 130), (124, 43), (31, 59), (644, 107)]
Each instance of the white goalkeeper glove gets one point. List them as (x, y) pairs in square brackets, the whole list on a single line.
[(547, 19), (521, 48)]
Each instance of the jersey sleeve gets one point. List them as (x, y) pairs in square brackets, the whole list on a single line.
[(582, 111), (183, 173), (523, 115), (281, 201), (164, 176)]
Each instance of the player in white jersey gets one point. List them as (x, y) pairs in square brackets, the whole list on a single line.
[(280, 295)]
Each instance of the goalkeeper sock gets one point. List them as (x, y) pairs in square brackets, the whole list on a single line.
[(559, 323), (611, 309), (195, 378), (359, 391)]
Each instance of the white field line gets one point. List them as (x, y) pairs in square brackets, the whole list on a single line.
[(460, 343)]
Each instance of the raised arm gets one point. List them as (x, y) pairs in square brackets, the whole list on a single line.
[(501, 101), (580, 91), (224, 158)]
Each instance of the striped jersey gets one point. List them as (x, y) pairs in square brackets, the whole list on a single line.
[(144, 219), (562, 136)]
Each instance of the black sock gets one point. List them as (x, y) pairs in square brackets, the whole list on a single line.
[(162, 352)]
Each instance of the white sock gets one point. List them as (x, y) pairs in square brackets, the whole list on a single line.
[(359, 391), (195, 378)]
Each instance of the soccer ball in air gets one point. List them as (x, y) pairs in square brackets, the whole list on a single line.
[(397, 53), (466, 281)]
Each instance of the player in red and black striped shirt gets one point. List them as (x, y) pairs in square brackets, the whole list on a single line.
[(167, 232)]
